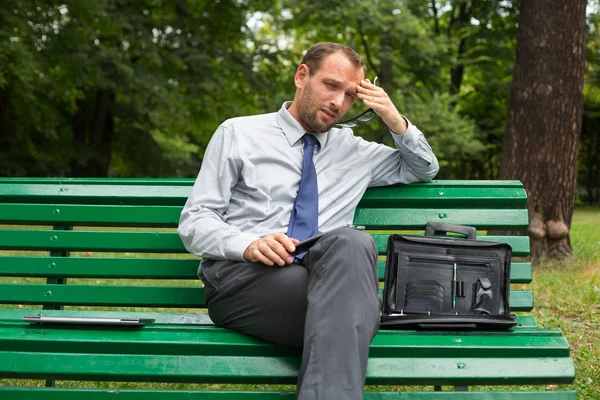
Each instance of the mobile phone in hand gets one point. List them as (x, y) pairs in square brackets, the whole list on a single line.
[(306, 244)]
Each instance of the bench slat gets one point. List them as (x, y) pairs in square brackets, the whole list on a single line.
[(157, 242), (168, 216), (77, 214), (142, 194), (157, 268), (448, 194), (504, 194), (146, 296), (100, 267), (193, 340), (416, 218), (94, 394), (126, 296), (284, 370), (9, 317)]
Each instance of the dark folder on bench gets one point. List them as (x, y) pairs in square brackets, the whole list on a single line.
[(445, 282)]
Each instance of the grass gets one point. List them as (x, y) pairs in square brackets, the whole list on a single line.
[(567, 297)]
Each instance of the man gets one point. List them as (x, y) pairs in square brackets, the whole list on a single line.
[(259, 178)]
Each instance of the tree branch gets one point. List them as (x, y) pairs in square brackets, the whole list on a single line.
[(435, 17), (366, 46)]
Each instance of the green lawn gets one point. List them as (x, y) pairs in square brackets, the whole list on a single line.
[(567, 297)]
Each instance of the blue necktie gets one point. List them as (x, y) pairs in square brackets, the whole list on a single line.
[(304, 221)]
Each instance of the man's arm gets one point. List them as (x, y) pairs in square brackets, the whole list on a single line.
[(376, 98), (412, 161), (202, 225)]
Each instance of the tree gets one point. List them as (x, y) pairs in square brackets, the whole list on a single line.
[(545, 114), (89, 88)]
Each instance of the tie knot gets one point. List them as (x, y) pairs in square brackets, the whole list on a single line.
[(309, 140)]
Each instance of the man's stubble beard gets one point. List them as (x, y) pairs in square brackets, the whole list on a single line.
[(308, 116)]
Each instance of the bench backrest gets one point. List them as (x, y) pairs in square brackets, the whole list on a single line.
[(113, 242)]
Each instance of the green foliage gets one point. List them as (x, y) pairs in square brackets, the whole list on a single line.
[(172, 71), (415, 51), (162, 62)]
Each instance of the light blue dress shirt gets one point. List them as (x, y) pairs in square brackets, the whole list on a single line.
[(251, 172)]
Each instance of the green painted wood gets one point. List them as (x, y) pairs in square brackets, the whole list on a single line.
[(108, 181), (156, 242), (100, 267), (521, 300), (97, 394), (110, 296), (520, 272), (78, 214), (177, 336), (11, 317), (169, 320), (168, 215), (415, 218), (448, 194), (158, 268), (182, 340), (241, 369), (146, 296), (116, 194), (519, 244)]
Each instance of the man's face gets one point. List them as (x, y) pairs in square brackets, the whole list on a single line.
[(325, 97)]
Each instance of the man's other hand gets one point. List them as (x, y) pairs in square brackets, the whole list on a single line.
[(376, 98), (271, 250)]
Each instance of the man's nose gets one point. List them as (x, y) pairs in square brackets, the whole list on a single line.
[(337, 100)]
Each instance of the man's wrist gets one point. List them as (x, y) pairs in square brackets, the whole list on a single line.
[(400, 126)]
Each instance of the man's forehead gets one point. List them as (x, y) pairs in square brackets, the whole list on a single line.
[(339, 64), (342, 77)]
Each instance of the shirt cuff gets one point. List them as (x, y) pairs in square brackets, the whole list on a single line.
[(409, 138), (411, 141), (237, 245)]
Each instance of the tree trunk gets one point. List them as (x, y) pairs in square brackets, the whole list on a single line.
[(457, 24), (544, 121), (101, 134), (93, 145)]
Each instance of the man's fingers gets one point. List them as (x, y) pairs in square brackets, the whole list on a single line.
[(260, 257), (286, 241), (275, 252), (375, 104), (272, 250)]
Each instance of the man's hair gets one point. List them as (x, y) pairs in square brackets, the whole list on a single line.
[(317, 53)]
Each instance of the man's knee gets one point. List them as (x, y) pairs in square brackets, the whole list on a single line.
[(351, 245), (348, 254), (351, 240)]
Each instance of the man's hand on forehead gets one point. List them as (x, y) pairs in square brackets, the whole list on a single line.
[(376, 98)]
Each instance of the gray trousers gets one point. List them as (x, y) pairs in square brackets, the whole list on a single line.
[(329, 306)]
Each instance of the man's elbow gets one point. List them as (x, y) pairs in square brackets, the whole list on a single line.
[(426, 173), (432, 171)]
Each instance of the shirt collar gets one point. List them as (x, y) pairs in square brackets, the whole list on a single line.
[(292, 129)]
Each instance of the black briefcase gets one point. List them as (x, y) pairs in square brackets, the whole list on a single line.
[(446, 282)]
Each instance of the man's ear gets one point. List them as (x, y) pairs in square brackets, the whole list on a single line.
[(302, 75)]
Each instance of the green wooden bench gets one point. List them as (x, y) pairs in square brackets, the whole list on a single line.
[(90, 247)]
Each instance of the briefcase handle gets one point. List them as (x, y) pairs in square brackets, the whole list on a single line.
[(433, 228)]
